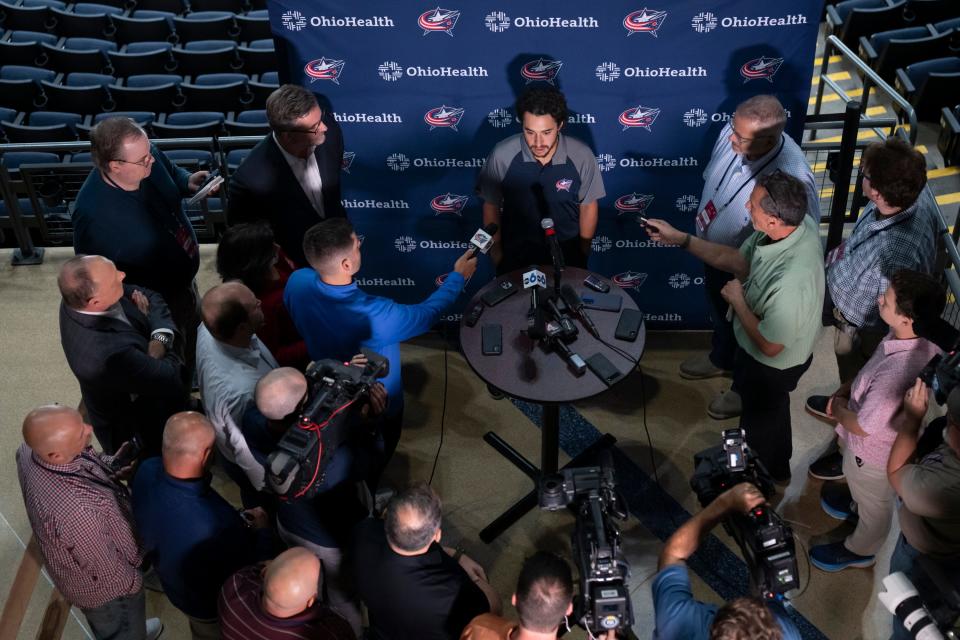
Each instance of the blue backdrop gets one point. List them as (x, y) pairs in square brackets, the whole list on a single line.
[(423, 93)]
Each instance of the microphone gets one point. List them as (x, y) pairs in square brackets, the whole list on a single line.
[(555, 253), (557, 309), (572, 358), (572, 298), (482, 240), (535, 280)]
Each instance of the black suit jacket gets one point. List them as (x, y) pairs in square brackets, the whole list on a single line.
[(124, 389), (264, 188)]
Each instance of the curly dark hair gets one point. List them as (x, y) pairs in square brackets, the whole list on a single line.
[(245, 253), (543, 101), (919, 297), (896, 170), (745, 619)]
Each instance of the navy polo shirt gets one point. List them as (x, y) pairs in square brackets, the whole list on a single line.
[(528, 191)]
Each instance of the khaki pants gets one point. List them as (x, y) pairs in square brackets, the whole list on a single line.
[(874, 496)]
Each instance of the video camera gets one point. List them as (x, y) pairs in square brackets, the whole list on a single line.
[(295, 469), (933, 619), (604, 600), (942, 374), (764, 539)]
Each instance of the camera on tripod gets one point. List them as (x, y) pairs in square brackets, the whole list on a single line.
[(295, 469), (604, 600), (765, 540)]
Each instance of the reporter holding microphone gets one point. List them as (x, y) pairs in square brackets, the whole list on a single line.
[(775, 300)]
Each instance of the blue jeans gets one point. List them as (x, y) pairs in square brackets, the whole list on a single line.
[(904, 559), (124, 618)]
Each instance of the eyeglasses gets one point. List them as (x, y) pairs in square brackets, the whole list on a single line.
[(312, 131), (143, 162), (776, 207)]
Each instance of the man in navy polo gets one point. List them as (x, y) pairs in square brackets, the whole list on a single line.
[(540, 174)]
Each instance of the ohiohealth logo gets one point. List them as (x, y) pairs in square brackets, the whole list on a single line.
[(695, 118), (444, 116), (679, 280), (449, 203), (760, 68), (633, 203), (390, 71), (607, 71), (687, 203), (639, 116), (405, 244), (497, 21), (704, 22), (606, 162), (629, 279), (541, 70), (644, 21), (324, 69), (438, 19), (599, 244), (500, 118), (347, 162), (398, 162), (293, 20)]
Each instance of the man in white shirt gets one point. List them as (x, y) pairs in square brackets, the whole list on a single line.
[(291, 179)]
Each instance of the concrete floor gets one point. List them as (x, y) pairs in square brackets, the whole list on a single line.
[(475, 483)]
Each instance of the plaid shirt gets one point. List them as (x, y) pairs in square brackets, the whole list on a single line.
[(875, 250), (83, 524)]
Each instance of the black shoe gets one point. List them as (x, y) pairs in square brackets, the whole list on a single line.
[(817, 406), (495, 393), (828, 467)]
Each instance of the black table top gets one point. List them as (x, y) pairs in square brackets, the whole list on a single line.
[(525, 369)]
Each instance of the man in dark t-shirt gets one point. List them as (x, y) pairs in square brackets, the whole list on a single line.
[(540, 174), (413, 587)]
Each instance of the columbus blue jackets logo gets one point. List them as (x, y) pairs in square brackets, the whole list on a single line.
[(441, 279), (629, 279), (644, 21), (449, 203), (443, 116), (633, 203), (639, 116), (443, 20), (760, 68), (347, 161), (541, 70), (324, 69), (564, 184)]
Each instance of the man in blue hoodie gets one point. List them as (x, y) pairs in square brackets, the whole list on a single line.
[(337, 319)]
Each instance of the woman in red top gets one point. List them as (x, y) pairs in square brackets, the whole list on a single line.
[(248, 253)]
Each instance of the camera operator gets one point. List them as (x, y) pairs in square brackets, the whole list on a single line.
[(929, 489), (676, 612)]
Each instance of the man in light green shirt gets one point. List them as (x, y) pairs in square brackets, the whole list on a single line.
[(775, 300)]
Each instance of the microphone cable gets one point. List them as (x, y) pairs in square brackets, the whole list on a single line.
[(443, 410)]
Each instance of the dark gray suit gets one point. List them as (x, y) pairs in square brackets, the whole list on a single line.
[(125, 391)]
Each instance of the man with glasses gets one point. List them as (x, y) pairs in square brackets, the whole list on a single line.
[(751, 145), (896, 230), (130, 210), (291, 179), (774, 297)]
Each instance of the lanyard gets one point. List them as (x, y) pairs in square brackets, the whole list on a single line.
[(749, 180)]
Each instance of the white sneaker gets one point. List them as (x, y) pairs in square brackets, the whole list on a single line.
[(154, 628), (726, 405)]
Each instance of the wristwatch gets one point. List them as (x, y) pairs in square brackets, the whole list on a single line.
[(163, 338)]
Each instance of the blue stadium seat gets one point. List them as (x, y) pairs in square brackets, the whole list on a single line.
[(252, 116), (50, 118), (7, 115), (930, 85), (147, 47), (33, 36), (229, 96), (170, 6), (87, 24), (20, 87), (23, 133), (83, 156), (258, 59), (190, 125), (888, 51), (51, 4), (143, 118), (209, 45), (206, 56), (142, 29), (254, 26), (947, 25), (232, 6), (186, 118), (88, 80), (22, 53), (271, 77), (153, 59), (80, 54), (93, 8), (15, 159), (206, 25), (153, 80), (212, 79), (854, 18), (201, 157), (235, 157), (14, 16), (261, 89), (249, 123), (157, 99), (927, 11), (17, 72), (85, 100)]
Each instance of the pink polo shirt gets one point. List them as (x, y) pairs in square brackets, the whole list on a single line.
[(877, 395)]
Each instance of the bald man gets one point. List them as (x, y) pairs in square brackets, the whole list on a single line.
[(279, 601), (80, 516), (193, 536), (117, 340), (230, 361)]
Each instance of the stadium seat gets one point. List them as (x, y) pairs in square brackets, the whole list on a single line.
[(33, 36), (947, 25), (233, 6), (88, 80), (155, 60), (23, 133), (18, 17), (156, 99), (20, 87), (254, 26), (235, 157), (80, 54), (258, 58), (190, 125), (7, 114), (854, 18), (197, 157), (153, 80), (85, 100), (948, 142), (143, 118), (171, 6), (73, 24), (930, 85), (22, 53), (147, 47), (142, 29), (927, 11), (249, 123), (13, 160), (261, 88), (206, 56), (206, 25), (18, 72), (226, 96), (50, 118), (888, 51)]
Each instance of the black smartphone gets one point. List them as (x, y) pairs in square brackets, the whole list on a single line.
[(596, 284), (601, 301), (132, 453), (629, 326), (603, 369), (499, 293), (492, 340), (473, 316)]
